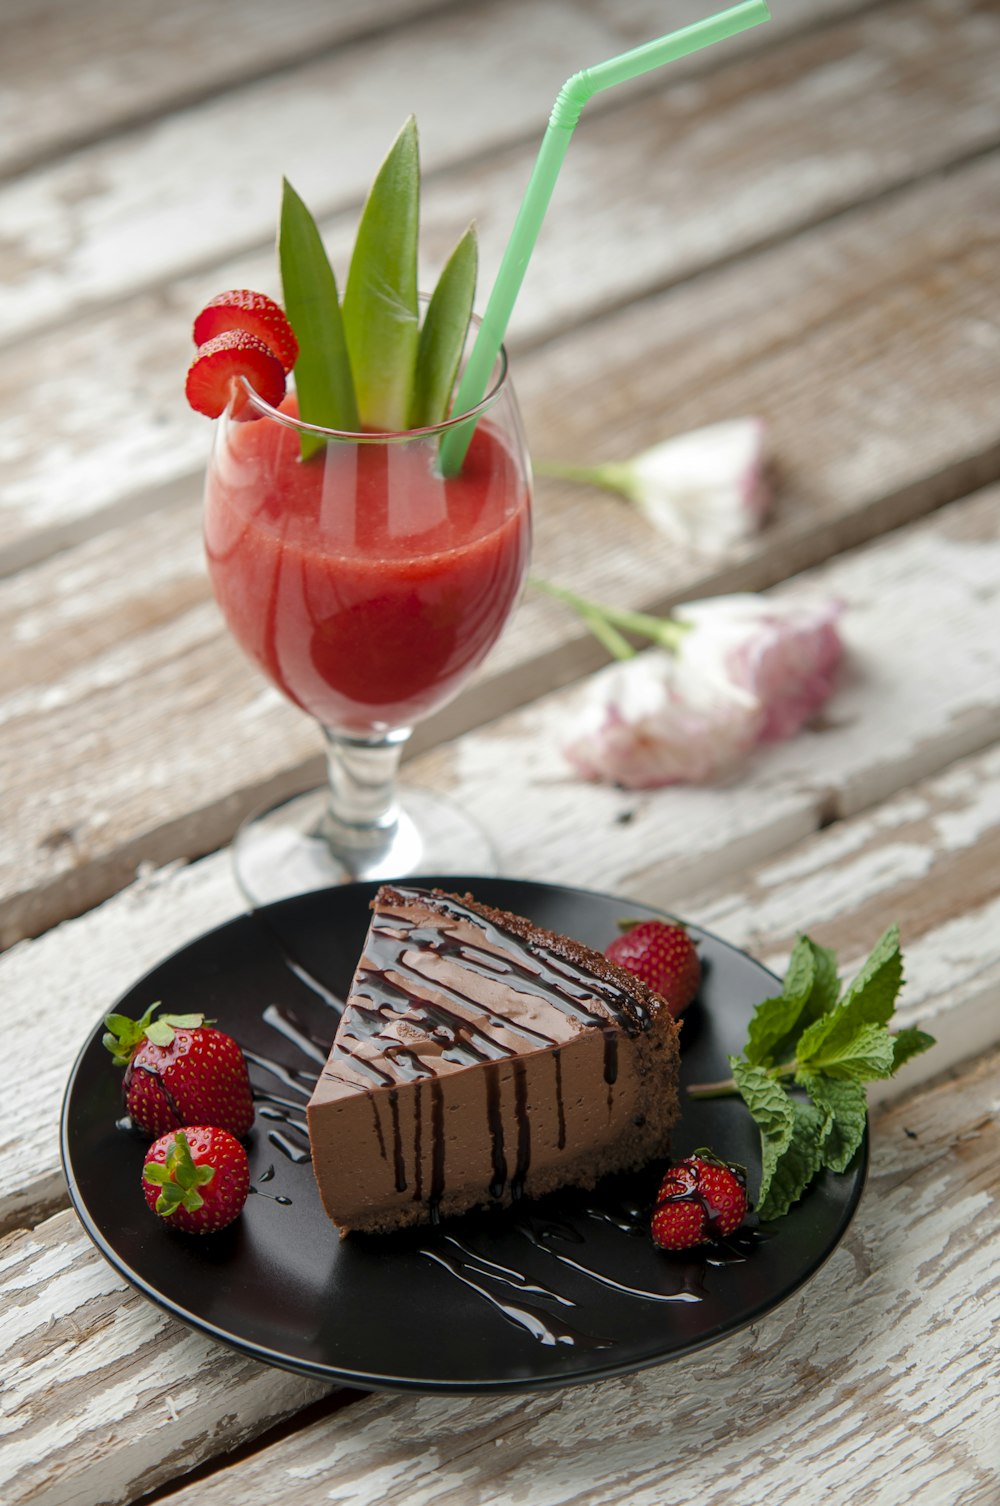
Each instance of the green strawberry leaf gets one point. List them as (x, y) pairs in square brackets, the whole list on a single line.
[(788, 1171), (442, 338), (909, 1042), (123, 1034), (155, 1174), (846, 1105), (173, 1197), (323, 378), (381, 314)]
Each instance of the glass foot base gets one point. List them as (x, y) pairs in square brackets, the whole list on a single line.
[(282, 851)]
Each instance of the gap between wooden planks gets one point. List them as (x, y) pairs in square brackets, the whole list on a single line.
[(855, 1388), (920, 691), (880, 402), (657, 189)]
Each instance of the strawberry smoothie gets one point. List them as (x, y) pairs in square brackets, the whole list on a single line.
[(364, 585)]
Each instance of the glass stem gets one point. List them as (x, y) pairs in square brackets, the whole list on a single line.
[(362, 812)]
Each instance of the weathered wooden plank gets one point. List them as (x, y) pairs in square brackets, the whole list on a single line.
[(70, 74), (114, 1358), (855, 1389), (663, 186), (122, 215), (921, 688), (102, 781), (920, 692)]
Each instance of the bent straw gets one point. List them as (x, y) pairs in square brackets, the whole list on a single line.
[(566, 111)]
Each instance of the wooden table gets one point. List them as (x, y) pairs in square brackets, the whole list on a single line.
[(803, 224)]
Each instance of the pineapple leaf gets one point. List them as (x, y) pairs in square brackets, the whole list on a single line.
[(381, 315), (442, 338), (323, 378)]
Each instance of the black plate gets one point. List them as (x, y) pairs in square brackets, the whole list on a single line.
[(417, 1310)]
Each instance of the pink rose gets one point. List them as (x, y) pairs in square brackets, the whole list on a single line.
[(748, 669), (706, 488)]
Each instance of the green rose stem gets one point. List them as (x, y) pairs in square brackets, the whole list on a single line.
[(565, 113), (608, 624)]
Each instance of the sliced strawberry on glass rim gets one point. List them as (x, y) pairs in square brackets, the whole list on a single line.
[(212, 379), (254, 313)]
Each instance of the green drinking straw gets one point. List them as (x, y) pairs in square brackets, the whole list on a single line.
[(566, 111)]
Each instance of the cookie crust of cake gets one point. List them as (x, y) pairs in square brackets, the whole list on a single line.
[(480, 1059)]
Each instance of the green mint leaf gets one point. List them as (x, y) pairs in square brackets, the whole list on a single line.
[(872, 994), (442, 339), (869, 1000), (323, 378), (381, 313), (907, 1043), (861, 1054), (767, 1101), (845, 1104), (826, 984), (772, 1022), (787, 1172)]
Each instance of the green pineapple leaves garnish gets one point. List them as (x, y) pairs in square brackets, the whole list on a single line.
[(381, 316), (366, 363), (442, 338), (323, 377), (809, 1052)]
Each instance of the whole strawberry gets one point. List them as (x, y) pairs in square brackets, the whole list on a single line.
[(663, 955), (180, 1071), (197, 1179), (699, 1199)]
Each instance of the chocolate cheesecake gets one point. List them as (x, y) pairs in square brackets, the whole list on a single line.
[(481, 1059)]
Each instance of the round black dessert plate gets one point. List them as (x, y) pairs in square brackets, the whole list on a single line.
[(566, 1289)]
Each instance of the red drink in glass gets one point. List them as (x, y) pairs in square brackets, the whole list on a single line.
[(364, 585)]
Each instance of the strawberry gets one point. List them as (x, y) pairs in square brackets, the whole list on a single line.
[(663, 955), (212, 376), (197, 1178), (699, 1199), (255, 314), (179, 1071)]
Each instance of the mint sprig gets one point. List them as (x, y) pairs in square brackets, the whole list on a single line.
[(809, 1052)]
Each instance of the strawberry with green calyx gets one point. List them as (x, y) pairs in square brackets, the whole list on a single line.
[(180, 1071), (700, 1199), (809, 1052), (663, 955), (197, 1179)]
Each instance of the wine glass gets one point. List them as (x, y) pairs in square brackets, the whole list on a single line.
[(368, 588)]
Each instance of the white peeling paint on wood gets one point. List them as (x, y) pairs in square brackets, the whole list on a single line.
[(738, 182), (853, 1391), (919, 691), (80, 1347)]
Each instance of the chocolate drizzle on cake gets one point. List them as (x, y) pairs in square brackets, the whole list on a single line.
[(482, 1042)]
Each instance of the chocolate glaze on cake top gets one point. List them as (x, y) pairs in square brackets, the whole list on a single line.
[(450, 984)]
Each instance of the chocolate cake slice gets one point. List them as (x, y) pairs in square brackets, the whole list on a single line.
[(481, 1059)]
